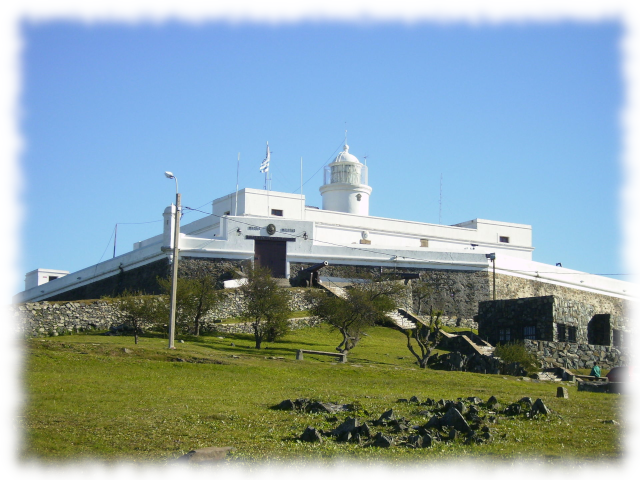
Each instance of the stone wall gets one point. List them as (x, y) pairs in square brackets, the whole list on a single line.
[(455, 292), (580, 323), (140, 279), (574, 355), (145, 278), (56, 318), (516, 287), (502, 321)]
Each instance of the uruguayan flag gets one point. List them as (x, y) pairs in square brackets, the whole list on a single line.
[(264, 166)]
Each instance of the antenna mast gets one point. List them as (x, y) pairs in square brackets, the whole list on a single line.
[(440, 209)]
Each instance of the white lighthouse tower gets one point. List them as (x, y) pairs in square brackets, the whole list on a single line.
[(345, 186)]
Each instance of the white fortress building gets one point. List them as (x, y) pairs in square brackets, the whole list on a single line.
[(279, 231)]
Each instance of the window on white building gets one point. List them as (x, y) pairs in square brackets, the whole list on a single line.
[(277, 213), (504, 239)]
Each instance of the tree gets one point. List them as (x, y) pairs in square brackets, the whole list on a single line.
[(421, 291), (425, 336), (266, 305), (195, 298), (365, 305), (140, 310)]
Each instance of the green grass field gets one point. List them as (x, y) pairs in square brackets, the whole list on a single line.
[(87, 398)]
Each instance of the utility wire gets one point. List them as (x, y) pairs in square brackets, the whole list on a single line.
[(311, 177), (360, 249), (105, 249)]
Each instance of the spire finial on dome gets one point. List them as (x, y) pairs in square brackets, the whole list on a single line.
[(346, 147)]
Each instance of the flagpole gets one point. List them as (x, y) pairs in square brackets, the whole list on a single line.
[(237, 183)]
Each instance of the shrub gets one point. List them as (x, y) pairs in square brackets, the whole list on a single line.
[(516, 352)]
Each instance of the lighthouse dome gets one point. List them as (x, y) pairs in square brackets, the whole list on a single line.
[(345, 156)]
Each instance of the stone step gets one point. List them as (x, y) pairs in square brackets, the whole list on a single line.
[(337, 291), (401, 321)]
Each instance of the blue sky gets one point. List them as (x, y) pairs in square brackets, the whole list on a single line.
[(521, 121)]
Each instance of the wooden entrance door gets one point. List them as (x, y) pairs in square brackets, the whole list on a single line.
[(272, 254)]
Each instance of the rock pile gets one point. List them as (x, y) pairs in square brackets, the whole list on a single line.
[(466, 419), (477, 363), (312, 406)]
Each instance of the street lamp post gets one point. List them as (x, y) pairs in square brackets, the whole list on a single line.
[(492, 257), (174, 269)]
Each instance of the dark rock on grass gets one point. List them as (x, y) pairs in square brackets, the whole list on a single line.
[(344, 436), (461, 407), (414, 399), (382, 441), (402, 400), (474, 400), (472, 437), (526, 401), (349, 425), (562, 392), (454, 419), (398, 425), (513, 409), (325, 407), (414, 441), (306, 405), (539, 407), (476, 423), (453, 434), (364, 430), (428, 402), (492, 402), (433, 422), (385, 417), (487, 436), (284, 405), (331, 419), (427, 441), (311, 435)]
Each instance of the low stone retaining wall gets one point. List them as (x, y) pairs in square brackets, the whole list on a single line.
[(59, 318), (574, 355)]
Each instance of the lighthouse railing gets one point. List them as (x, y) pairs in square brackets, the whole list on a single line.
[(346, 172)]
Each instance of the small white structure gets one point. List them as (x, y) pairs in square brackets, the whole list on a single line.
[(345, 186), (41, 276)]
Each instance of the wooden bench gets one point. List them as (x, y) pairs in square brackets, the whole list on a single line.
[(342, 356)]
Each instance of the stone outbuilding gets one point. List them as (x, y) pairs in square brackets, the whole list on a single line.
[(561, 332)]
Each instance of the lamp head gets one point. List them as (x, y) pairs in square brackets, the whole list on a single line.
[(168, 174)]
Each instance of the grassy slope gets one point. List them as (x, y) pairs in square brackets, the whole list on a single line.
[(87, 398)]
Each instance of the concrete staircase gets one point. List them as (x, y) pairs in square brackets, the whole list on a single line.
[(472, 342), (334, 290), (401, 321)]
